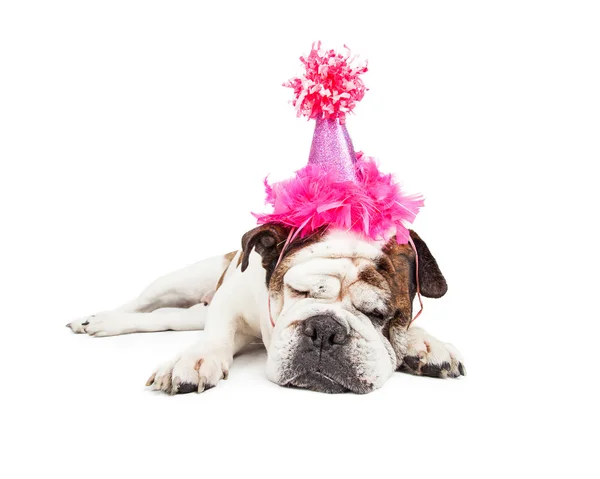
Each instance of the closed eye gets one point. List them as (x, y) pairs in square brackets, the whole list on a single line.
[(297, 293), (377, 316)]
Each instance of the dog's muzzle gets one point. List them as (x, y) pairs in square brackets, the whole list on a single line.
[(322, 358)]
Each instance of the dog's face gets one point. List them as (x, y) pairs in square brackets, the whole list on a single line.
[(340, 305)]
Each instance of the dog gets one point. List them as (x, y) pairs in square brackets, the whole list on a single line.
[(333, 311)]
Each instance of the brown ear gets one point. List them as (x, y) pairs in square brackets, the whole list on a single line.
[(431, 280), (267, 240)]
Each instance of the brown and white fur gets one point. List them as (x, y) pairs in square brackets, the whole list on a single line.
[(341, 306)]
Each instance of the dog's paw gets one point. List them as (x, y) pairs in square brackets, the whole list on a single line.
[(102, 324), (191, 372), (427, 356), (78, 326)]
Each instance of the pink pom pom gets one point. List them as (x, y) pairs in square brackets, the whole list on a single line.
[(331, 86), (374, 206)]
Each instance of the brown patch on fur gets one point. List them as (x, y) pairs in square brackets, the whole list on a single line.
[(220, 282), (228, 259), (276, 281), (371, 276), (397, 267), (198, 364)]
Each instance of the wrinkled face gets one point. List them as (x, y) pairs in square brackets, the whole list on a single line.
[(333, 302)]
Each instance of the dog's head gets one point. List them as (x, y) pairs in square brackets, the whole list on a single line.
[(341, 306)]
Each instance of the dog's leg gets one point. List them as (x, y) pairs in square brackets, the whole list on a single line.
[(169, 319), (428, 356), (180, 289), (228, 329)]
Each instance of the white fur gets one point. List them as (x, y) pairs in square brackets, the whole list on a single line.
[(341, 244), (113, 323)]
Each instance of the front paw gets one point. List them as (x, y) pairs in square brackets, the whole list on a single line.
[(192, 372), (102, 324), (78, 326), (427, 356)]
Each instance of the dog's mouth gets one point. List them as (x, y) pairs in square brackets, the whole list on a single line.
[(319, 382), (326, 365), (333, 381)]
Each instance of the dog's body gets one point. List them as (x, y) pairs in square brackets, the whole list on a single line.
[(333, 313)]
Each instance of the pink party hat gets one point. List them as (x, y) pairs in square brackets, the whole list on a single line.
[(338, 188), (332, 148)]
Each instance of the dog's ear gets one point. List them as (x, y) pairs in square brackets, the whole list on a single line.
[(267, 240), (431, 280), (399, 262)]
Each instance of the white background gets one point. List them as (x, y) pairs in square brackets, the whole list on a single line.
[(134, 138)]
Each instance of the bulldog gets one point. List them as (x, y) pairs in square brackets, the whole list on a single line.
[(333, 311)]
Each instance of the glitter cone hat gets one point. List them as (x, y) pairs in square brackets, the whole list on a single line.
[(332, 148), (338, 188)]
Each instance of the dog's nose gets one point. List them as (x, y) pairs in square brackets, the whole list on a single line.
[(325, 331)]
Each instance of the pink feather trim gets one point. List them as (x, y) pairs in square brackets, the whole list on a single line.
[(331, 86), (374, 206)]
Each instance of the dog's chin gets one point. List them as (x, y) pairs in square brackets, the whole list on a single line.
[(318, 382)]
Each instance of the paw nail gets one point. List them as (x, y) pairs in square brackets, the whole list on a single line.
[(150, 380), (201, 385), (85, 324), (226, 374)]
